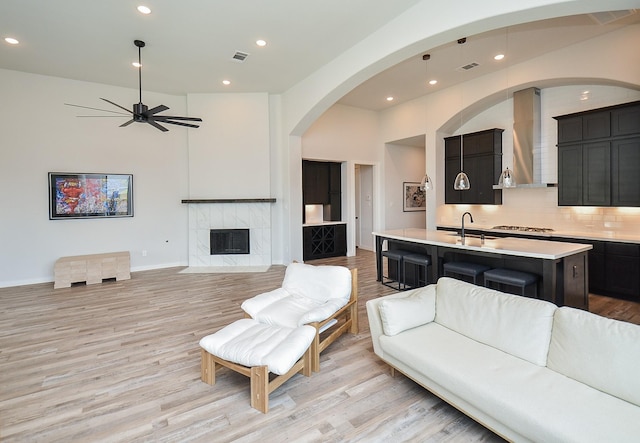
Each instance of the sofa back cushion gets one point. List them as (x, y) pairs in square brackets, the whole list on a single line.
[(417, 308), (517, 325), (319, 283), (597, 351)]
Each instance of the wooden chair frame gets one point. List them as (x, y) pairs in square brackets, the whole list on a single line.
[(348, 313), (261, 386)]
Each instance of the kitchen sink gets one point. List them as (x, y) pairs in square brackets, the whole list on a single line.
[(486, 237)]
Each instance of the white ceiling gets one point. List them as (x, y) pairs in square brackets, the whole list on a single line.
[(190, 44)]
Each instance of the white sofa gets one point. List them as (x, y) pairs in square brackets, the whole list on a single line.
[(524, 368)]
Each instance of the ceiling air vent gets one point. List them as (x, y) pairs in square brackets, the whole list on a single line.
[(603, 18), (240, 56), (468, 66)]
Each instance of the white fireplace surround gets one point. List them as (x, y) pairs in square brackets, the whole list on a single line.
[(255, 216)]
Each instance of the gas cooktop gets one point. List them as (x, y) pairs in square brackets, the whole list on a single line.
[(522, 228)]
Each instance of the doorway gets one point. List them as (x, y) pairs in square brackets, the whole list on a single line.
[(364, 206)]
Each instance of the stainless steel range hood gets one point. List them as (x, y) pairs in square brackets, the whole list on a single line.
[(527, 165)]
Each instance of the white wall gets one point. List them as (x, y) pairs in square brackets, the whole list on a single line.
[(229, 156), (402, 164), (39, 134), (343, 133)]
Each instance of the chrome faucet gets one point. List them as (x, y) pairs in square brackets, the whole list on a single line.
[(470, 219)]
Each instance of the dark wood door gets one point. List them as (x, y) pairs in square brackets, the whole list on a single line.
[(569, 129), (315, 183), (596, 174), (570, 175), (625, 120), (625, 172)]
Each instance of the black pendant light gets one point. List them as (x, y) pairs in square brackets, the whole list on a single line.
[(462, 181), (426, 183)]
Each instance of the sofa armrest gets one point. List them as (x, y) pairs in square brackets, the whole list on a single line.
[(256, 304)]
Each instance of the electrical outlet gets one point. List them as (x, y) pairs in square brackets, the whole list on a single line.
[(144, 252)]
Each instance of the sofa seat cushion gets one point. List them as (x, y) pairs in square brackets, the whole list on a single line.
[(250, 343), (516, 325), (532, 400), (597, 351)]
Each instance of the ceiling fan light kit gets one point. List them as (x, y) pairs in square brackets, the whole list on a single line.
[(141, 112)]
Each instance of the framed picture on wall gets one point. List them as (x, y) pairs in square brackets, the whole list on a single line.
[(414, 199), (73, 195)]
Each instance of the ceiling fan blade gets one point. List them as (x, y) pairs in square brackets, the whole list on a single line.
[(155, 125), (95, 109), (157, 109), (115, 104), (180, 124), (170, 117), (127, 123)]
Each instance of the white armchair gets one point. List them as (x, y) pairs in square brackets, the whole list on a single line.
[(325, 297)]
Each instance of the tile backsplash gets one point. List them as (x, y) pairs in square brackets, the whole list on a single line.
[(538, 207)]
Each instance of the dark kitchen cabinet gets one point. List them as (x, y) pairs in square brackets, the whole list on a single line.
[(322, 241), (570, 175), (597, 274), (599, 157), (482, 162), (596, 174), (625, 120), (625, 168), (614, 267), (622, 263), (322, 185)]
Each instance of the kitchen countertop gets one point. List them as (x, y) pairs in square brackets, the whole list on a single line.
[(564, 233), (521, 247)]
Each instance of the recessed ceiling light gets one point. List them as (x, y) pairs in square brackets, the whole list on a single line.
[(226, 82), (433, 82), (261, 43), (136, 64), (389, 99), (144, 10), (499, 57), (11, 41)]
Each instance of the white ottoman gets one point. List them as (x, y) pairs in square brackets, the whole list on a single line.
[(254, 349)]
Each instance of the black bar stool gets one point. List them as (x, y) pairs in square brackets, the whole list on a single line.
[(396, 255), (419, 262), (457, 269), (508, 277)]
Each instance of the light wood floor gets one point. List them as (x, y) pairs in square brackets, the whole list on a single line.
[(120, 361)]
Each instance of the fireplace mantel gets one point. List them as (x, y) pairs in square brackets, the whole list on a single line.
[(230, 200)]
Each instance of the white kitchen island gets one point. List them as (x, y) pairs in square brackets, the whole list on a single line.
[(562, 268)]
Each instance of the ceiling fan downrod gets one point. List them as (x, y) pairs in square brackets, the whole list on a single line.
[(140, 44)]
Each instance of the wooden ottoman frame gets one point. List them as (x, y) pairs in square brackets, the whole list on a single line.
[(261, 386)]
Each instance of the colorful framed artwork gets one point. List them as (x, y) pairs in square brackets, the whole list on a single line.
[(414, 199), (74, 195)]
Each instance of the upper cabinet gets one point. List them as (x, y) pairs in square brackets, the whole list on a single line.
[(322, 185), (482, 162), (599, 157)]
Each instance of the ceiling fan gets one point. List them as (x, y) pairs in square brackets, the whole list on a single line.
[(141, 112)]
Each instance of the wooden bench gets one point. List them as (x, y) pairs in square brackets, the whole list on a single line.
[(91, 268)]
